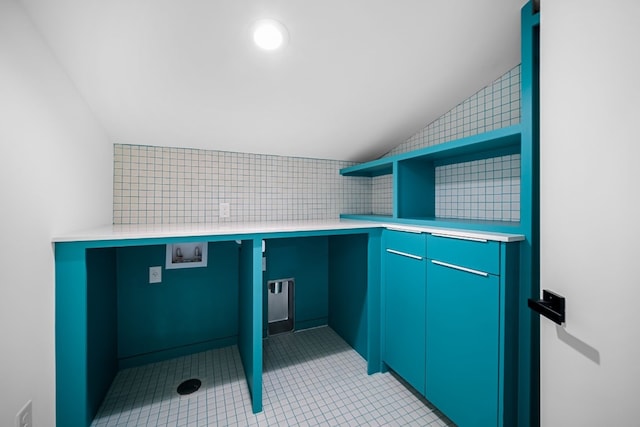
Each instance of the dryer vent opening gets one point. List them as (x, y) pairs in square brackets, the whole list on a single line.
[(189, 386), (280, 305)]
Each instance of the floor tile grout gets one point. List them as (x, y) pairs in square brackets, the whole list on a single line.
[(310, 378)]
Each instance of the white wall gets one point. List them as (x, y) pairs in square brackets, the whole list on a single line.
[(55, 175), (590, 211)]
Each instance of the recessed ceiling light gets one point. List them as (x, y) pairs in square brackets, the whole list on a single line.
[(269, 34)]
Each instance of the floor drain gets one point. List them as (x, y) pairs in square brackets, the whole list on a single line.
[(189, 386)]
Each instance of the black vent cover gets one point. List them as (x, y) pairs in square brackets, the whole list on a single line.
[(189, 386)]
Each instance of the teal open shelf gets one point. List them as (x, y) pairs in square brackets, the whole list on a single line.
[(414, 178), (484, 145), (370, 169)]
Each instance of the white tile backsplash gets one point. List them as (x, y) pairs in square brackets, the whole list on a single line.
[(160, 185), (157, 185)]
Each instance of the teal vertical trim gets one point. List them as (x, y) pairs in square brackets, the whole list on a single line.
[(383, 242), (244, 312), (396, 190), (256, 330), (72, 408), (503, 338), (374, 248), (250, 318), (528, 346), (102, 333), (509, 292)]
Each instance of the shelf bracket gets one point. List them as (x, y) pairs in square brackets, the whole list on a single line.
[(551, 306)]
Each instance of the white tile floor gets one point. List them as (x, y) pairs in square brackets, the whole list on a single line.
[(311, 378)]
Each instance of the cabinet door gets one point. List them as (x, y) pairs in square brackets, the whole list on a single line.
[(404, 323), (462, 344)]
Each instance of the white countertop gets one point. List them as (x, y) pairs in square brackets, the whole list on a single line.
[(145, 231), (456, 232), (142, 231)]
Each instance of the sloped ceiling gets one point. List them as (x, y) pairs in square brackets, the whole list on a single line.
[(357, 78)]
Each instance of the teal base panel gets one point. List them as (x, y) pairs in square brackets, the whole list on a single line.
[(250, 318), (171, 353), (311, 323)]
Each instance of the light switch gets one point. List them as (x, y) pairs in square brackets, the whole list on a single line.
[(225, 210), (155, 274)]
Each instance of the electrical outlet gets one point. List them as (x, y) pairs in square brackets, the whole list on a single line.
[(155, 274), (23, 417), (225, 210)]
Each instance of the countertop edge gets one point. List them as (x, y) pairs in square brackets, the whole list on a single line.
[(133, 232), (455, 232)]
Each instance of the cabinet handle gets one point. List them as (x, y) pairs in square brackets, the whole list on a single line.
[(448, 236), (457, 267), (393, 251), (404, 230)]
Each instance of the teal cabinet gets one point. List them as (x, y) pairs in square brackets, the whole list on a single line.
[(471, 345), (404, 305), (462, 344)]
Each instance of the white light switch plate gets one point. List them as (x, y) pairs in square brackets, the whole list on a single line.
[(225, 210), (155, 274)]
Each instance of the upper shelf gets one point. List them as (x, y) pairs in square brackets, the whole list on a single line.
[(482, 144)]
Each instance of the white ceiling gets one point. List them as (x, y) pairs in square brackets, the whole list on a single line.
[(357, 78)]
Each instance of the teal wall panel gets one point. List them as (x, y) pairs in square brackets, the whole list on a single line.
[(102, 336), (192, 306), (306, 260), (348, 258), (72, 405), (416, 189)]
